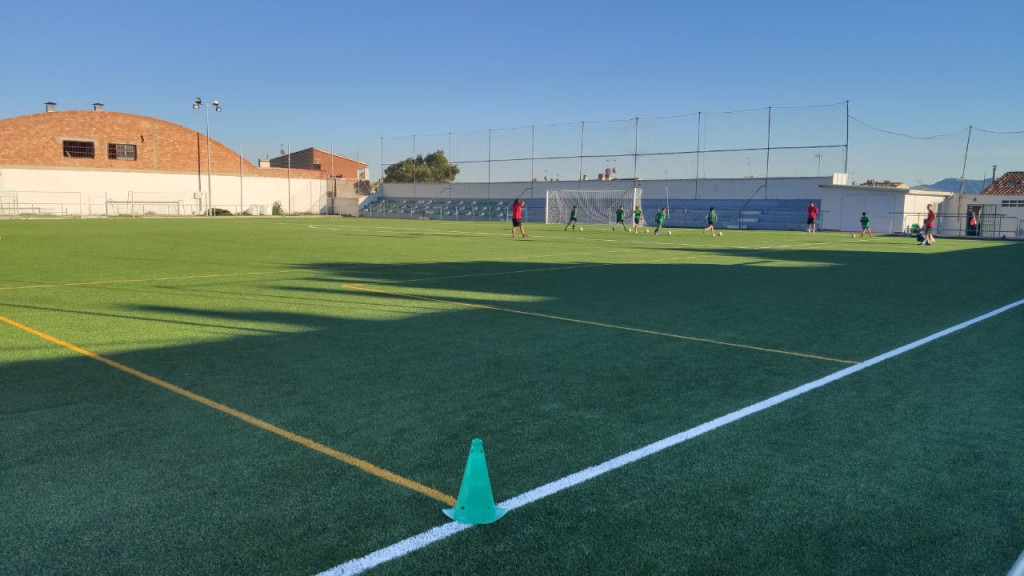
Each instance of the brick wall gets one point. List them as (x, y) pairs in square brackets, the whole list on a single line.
[(343, 167), (37, 140), (299, 159)]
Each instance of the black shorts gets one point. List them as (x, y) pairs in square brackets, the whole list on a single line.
[(636, 221), (810, 221), (620, 221), (572, 220), (516, 222)]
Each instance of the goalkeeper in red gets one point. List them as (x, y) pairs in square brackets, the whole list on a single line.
[(517, 217)]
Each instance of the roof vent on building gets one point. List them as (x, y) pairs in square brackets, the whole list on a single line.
[(51, 106), (97, 106)]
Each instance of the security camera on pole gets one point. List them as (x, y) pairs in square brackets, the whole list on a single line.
[(209, 164)]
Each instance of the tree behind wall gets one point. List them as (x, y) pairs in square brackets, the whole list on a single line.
[(430, 168)]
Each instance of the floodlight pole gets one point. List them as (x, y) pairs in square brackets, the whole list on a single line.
[(209, 161)]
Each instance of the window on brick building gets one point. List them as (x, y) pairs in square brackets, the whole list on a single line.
[(79, 149), (121, 152)]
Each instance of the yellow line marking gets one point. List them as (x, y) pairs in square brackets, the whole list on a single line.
[(311, 444), (165, 278), (361, 287)]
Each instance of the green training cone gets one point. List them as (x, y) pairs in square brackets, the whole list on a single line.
[(476, 502)]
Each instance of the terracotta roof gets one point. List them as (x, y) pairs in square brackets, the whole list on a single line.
[(1009, 184)]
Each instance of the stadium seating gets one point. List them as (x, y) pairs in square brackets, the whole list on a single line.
[(437, 209)]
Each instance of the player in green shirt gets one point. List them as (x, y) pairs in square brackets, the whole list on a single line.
[(572, 219), (865, 225), (620, 218), (638, 215), (660, 219), (712, 218)]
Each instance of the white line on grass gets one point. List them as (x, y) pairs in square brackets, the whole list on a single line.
[(436, 534), (1018, 567)]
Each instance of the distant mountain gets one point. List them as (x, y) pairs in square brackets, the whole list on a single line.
[(953, 185)]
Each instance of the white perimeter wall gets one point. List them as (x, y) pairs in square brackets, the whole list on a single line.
[(705, 188), (841, 205), (85, 192)]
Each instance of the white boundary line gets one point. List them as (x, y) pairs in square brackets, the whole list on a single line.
[(436, 534), (1018, 567)]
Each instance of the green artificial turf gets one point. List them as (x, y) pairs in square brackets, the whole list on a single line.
[(397, 342)]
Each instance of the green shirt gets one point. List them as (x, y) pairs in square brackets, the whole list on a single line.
[(638, 214), (864, 221), (712, 217), (661, 216), (573, 215), (619, 214)]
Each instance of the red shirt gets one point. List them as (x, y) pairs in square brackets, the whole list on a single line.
[(930, 220), (517, 210), (812, 212)]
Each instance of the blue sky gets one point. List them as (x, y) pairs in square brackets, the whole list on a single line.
[(345, 74)]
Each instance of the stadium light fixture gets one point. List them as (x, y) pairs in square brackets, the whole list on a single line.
[(209, 163)]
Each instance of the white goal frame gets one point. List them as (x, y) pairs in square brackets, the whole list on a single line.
[(593, 206)]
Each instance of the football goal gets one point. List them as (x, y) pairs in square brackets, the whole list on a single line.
[(592, 206)]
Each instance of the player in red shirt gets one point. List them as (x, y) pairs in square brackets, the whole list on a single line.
[(929, 227), (517, 217), (812, 217)]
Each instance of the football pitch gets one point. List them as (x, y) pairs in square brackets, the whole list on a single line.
[(298, 395)]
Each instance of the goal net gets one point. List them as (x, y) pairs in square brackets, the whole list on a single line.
[(592, 206)]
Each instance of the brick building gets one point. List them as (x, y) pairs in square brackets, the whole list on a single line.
[(102, 162), (328, 164)]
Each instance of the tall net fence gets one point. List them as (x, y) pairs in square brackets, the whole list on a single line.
[(968, 156), (799, 141), (991, 151)]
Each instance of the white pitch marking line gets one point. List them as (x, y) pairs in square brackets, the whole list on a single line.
[(438, 533), (1018, 567)]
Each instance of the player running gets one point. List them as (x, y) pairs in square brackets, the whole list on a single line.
[(572, 219), (659, 219), (638, 215), (620, 218), (865, 225), (712, 218)]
